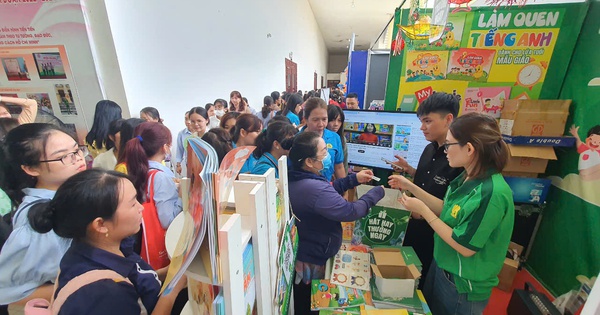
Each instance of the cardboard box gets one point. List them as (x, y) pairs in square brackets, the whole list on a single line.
[(529, 190), (393, 278), (528, 159), (541, 118), (509, 269), (520, 174)]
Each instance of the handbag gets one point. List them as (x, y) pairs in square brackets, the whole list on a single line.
[(154, 250)]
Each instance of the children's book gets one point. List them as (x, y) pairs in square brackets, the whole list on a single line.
[(325, 295), (352, 269)]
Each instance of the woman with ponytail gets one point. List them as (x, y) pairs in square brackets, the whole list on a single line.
[(268, 110), (36, 160), (99, 211), (155, 186), (271, 144), (472, 224)]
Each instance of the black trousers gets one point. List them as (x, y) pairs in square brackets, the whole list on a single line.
[(302, 299), (419, 235)]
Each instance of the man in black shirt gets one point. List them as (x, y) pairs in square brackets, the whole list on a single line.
[(433, 174)]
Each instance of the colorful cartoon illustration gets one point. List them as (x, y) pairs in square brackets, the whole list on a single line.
[(530, 75), (589, 153), (450, 39), (469, 64), (426, 66), (487, 100)]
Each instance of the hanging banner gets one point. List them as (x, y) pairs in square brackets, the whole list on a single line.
[(485, 48)]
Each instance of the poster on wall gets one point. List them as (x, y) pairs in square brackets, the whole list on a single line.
[(426, 66), (451, 37), (510, 50), (45, 55), (485, 100), (470, 64)]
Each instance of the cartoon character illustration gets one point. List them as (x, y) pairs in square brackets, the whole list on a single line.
[(450, 41), (436, 71), (589, 153), (478, 72)]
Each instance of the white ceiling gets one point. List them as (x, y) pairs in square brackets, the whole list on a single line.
[(338, 19)]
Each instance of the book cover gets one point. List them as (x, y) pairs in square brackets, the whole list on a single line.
[(249, 283), (325, 295), (351, 269)]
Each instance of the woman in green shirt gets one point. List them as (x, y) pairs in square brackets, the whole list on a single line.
[(473, 224)]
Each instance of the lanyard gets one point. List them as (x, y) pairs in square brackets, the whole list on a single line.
[(274, 162)]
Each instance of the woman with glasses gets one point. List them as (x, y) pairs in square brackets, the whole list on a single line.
[(473, 224), (36, 160), (320, 209)]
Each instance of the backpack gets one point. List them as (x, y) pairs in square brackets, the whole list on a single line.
[(154, 250), (43, 307)]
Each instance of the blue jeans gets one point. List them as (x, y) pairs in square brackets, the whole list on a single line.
[(443, 298)]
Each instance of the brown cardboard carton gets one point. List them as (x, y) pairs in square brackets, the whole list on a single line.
[(509, 269), (520, 174), (540, 118), (528, 159), (394, 279)]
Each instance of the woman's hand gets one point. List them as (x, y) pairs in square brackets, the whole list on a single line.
[(364, 176), (399, 182), (413, 204)]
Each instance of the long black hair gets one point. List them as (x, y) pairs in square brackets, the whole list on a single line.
[(278, 131), (24, 145), (78, 202), (106, 112), (266, 109), (333, 112), (290, 105), (127, 130)]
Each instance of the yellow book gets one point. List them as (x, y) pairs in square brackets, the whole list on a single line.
[(364, 311)]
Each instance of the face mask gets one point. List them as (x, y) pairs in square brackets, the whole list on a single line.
[(219, 112), (326, 163)]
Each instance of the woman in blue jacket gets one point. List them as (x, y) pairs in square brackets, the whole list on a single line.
[(320, 209)]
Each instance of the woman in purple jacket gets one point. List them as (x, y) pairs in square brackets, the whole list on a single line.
[(320, 207)]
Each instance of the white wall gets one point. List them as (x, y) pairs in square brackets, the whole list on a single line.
[(175, 55), (337, 62)]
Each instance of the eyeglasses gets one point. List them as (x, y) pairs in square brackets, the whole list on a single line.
[(447, 145), (70, 158)]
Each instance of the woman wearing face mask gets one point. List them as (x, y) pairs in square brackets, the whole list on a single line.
[(271, 144), (268, 110), (213, 121), (220, 107), (320, 209), (315, 112), (246, 130)]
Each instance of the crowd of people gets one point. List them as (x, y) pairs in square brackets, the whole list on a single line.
[(78, 207)]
